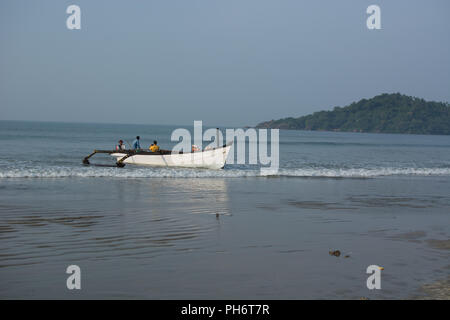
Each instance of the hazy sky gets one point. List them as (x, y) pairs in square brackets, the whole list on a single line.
[(226, 62)]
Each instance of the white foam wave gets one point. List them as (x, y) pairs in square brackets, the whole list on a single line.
[(364, 173), (96, 172), (92, 172)]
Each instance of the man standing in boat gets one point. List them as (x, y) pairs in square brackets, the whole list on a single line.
[(136, 143)]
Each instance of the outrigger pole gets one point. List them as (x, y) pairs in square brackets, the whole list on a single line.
[(119, 162)]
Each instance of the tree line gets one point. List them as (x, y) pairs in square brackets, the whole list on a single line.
[(385, 113)]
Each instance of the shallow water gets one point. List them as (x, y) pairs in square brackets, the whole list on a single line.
[(55, 150), (230, 234)]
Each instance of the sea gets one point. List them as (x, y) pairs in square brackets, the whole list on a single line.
[(236, 233)]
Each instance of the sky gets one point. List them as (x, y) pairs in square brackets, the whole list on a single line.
[(226, 62)]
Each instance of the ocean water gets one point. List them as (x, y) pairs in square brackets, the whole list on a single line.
[(54, 150), (234, 234)]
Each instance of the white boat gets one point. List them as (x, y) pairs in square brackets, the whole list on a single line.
[(213, 158)]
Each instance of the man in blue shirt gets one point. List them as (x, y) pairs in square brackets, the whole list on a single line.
[(136, 144)]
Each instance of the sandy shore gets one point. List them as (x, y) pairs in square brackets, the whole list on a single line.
[(439, 290), (235, 238)]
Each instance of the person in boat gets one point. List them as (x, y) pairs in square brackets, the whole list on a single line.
[(154, 147), (137, 144), (120, 146), (195, 148)]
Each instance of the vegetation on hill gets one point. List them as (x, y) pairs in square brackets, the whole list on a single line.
[(385, 113)]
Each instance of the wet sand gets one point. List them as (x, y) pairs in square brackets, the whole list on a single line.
[(438, 290), (225, 238)]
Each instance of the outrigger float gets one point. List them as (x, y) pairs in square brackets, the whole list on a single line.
[(213, 158)]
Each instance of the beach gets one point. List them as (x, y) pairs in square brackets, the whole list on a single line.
[(143, 233)]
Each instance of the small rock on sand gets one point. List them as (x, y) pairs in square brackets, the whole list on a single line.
[(336, 253)]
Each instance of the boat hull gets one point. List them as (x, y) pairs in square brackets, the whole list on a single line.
[(208, 159)]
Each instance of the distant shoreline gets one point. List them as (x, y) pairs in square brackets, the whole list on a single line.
[(386, 113), (358, 132)]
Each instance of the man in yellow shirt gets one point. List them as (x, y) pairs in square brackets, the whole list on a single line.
[(154, 147)]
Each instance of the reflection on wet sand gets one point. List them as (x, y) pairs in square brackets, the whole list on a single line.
[(141, 219), (204, 196), (161, 238)]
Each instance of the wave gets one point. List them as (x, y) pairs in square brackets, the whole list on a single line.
[(96, 172), (364, 173)]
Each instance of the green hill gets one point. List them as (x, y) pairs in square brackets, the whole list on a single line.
[(386, 113)]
